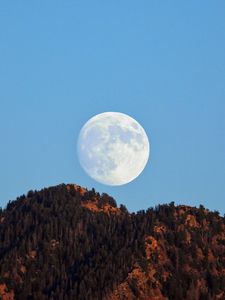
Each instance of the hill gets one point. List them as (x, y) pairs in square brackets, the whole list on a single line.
[(66, 242)]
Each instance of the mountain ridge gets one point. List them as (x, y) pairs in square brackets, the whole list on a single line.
[(66, 242)]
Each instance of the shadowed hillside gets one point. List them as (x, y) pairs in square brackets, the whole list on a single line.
[(66, 242)]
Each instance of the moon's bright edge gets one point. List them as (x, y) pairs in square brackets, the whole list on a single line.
[(113, 148)]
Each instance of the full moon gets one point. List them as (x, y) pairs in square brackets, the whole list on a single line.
[(113, 148)]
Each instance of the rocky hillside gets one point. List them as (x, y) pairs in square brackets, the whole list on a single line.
[(66, 242)]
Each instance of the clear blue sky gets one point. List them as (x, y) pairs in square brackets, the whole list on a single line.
[(161, 62)]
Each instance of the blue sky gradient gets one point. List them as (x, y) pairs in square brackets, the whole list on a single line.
[(161, 62)]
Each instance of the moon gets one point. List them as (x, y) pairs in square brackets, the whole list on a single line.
[(113, 148)]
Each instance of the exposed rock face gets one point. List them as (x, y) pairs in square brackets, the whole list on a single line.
[(66, 242), (5, 293)]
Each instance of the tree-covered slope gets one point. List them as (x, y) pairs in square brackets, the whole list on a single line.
[(65, 242)]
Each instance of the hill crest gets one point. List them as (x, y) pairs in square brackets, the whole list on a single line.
[(67, 242)]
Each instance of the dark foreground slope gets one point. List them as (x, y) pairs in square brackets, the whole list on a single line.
[(66, 242)]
